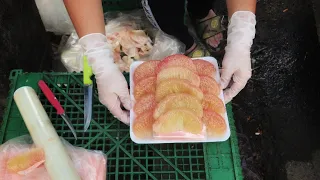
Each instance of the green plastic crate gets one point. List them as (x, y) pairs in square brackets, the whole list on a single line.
[(126, 160)]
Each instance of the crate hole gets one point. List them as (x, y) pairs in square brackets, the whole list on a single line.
[(194, 161)]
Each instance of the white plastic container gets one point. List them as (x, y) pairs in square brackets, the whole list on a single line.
[(216, 76)]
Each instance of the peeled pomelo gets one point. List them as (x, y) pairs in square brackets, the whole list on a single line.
[(179, 60), (145, 103), (213, 103), (178, 120), (178, 73), (144, 86), (142, 125), (209, 86), (215, 123), (145, 70), (178, 101), (173, 86), (204, 68), (27, 161)]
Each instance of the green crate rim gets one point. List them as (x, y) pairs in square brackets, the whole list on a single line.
[(14, 75)]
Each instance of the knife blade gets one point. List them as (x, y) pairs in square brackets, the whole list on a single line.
[(88, 88), (56, 104)]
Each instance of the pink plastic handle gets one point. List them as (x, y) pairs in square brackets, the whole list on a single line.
[(51, 97)]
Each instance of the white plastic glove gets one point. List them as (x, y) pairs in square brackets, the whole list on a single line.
[(236, 64), (112, 86)]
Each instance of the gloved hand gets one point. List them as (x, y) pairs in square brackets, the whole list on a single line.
[(112, 86), (236, 64)]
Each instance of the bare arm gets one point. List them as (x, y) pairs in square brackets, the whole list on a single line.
[(241, 5), (86, 16)]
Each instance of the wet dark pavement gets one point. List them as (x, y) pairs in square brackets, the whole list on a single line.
[(277, 111)]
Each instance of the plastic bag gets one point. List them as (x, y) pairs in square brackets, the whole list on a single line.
[(91, 165), (128, 37), (165, 45), (54, 16), (132, 37), (71, 54), (157, 45)]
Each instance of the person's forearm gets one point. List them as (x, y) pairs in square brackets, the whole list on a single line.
[(241, 5), (86, 16)]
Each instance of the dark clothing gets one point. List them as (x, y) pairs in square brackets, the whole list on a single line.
[(24, 42), (169, 14), (199, 9)]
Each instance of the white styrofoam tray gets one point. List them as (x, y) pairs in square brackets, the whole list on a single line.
[(216, 76)]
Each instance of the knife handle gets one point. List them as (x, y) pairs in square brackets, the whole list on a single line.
[(87, 72), (51, 97)]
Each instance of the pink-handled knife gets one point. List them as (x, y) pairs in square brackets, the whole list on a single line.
[(56, 104)]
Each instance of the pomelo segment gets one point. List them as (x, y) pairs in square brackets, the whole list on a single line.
[(145, 70), (144, 86), (178, 73), (145, 103), (179, 60), (178, 120), (209, 86), (178, 101), (26, 161), (142, 125), (173, 86), (204, 68), (213, 103), (216, 125)]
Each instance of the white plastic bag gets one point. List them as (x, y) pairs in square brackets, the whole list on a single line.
[(54, 16), (165, 45)]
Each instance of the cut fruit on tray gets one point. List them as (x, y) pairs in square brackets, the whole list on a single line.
[(145, 103), (142, 126), (213, 103), (169, 104), (215, 123), (145, 70), (209, 86), (145, 86), (179, 60), (173, 86), (178, 73), (177, 101), (178, 120), (204, 68)]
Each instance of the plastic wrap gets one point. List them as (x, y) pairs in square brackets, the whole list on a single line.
[(165, 45), (174, 125), (90, 165), (128, 38), (54, 16), (132, 38), (72, 53), (44, 135)]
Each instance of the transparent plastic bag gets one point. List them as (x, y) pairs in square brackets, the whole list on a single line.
[(157, 45), (54, 16), (127, 34), (71, 54), (91, 165), (132, 37), (165, 45)]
